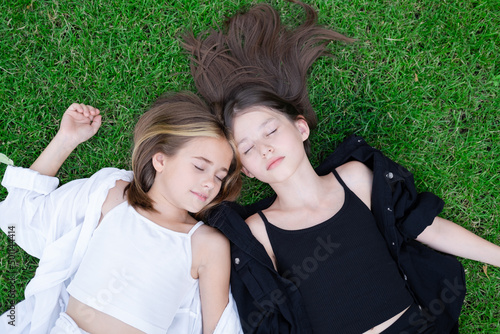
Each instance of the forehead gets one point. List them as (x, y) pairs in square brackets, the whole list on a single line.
[(249, 121), (256, 116), (258, 110), (216, 150)]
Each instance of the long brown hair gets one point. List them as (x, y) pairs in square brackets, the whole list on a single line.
[(170, 123), (257, 53)]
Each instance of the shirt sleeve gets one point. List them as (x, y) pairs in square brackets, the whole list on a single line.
[(229, 321), (36, 212), (413, 211), (427, 207)]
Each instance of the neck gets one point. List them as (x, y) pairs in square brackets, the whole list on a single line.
[(166, 214), (303, 189)]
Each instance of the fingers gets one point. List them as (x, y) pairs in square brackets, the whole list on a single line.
[(86, 110), (96, 123)]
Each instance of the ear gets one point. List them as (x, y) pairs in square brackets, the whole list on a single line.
[(303, 127), (246, 172), (159, 160)]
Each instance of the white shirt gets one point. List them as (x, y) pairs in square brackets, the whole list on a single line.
[(56, 225), (136, 271)]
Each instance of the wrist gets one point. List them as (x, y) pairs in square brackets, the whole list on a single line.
[(54, 155), (64, 142)]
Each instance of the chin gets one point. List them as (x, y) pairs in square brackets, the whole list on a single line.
[(195, 210)]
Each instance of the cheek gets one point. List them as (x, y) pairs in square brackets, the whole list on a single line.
[(246, 161), (215, 192), (218, 189)]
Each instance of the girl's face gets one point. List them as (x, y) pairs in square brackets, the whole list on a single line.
[(192, 178), (269, 143)]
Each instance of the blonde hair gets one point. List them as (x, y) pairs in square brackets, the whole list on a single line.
[(166, 127)]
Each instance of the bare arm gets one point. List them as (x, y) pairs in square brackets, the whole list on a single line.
[(78, 124), (213, 272), (442, 235), (446, 236)]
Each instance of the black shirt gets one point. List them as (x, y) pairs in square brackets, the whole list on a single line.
[(342, 268)]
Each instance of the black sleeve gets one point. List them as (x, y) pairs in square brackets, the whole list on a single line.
[(394, 191), (425, 208)]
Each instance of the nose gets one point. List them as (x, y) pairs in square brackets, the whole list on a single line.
[(265, 150), (208, 183)]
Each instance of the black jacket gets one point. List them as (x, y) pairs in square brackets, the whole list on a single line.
[(269, 303)]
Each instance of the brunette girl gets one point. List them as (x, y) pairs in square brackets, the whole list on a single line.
[(121, 252), (334, 250)]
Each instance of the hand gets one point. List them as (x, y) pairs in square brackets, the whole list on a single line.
[(79, 123)]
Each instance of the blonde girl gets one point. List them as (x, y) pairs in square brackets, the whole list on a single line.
[(122, 252)]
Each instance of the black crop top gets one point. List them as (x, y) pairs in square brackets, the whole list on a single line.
[(342, 268)]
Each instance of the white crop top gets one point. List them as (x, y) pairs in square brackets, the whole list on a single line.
[(136, 270)]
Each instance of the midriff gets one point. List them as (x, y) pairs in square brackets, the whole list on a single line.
[(386, 324), (96, 322)]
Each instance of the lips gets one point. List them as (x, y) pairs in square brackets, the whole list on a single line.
[(273, 163), (201, 197)]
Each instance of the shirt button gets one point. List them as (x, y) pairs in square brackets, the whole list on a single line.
[(393, 243), (389, 209), (389, 175), (237, 260)]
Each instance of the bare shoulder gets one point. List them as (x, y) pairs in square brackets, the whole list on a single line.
[(354, 173), (258, 229), (209, 237), (354, 169), (359, 178), (209, 245), (115, 196), (254, 220), (211, 251)]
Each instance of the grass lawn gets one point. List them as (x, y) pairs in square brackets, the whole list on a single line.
[(422, 84)]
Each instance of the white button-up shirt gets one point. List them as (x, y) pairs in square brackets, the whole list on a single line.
[(55, 225)]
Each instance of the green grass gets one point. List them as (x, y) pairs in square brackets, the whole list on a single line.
[(422, 84)]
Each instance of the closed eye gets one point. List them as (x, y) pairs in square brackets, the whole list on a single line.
[(198, 168), (270, 133), (248, 150)]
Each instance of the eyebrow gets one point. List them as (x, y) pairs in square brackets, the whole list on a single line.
[(263, 125), (210, 162)]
